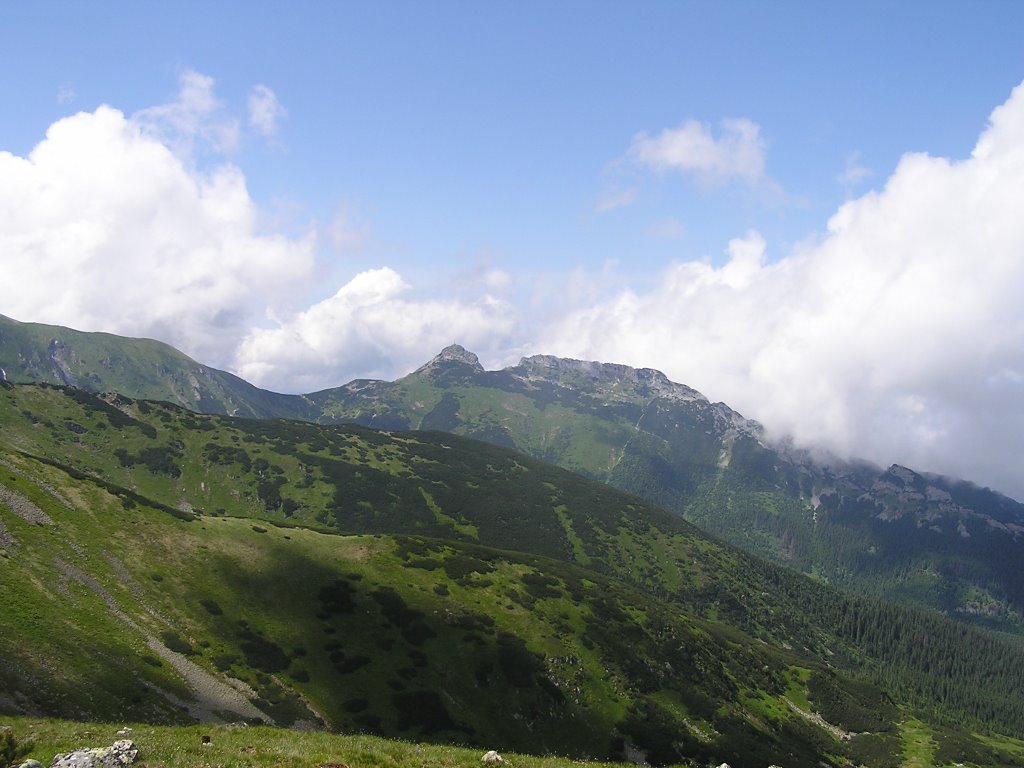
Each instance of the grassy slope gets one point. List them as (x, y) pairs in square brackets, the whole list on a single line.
[(263, 747), (418, 638), (888, 544), (275, 579)]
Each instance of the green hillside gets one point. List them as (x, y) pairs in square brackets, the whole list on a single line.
[(119, 610), (930, 542), (355, 578), (141, 368)]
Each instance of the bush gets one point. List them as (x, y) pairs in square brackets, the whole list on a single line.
[(177, 644), (10, 750), (211, 606)]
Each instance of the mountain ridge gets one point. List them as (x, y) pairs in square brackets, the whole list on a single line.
[(925, 540)]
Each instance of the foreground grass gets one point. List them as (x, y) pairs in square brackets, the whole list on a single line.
[(235, 746)]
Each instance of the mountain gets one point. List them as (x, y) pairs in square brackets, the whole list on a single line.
[(923, 540), (143, 368), (160, 564)]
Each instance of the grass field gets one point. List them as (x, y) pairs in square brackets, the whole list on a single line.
[(257, 747)]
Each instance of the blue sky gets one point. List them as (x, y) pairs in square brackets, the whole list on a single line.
[(306, 193)]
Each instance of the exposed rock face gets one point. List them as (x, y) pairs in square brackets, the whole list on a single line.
[(118, 755), (23, 508), (58, 352), (452, 354), (648, 379), (7, 540)]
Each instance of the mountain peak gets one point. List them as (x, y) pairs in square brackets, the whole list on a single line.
[(453, 353)]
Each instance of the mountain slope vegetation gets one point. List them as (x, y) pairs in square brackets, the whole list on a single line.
[(926, 541), (354, 578)]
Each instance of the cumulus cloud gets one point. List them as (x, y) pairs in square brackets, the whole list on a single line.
[(736, 153), (105, 226), (265, 111), (371, 327), (897, 335)]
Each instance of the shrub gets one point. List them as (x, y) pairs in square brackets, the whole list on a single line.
[(10, 750), (211, 606), (176, 644)]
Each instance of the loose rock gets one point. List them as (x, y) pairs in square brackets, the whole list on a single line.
[(118, 755), (492, 758)]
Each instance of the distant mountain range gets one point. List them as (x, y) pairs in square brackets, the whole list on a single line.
[(924, 540)]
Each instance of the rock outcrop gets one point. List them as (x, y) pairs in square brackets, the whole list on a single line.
[(118, 755), (452, 354)]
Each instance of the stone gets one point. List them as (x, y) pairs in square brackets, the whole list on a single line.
[(118, 755), (492, 758), (31, 764)]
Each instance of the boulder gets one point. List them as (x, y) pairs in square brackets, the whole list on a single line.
[(118, 755)]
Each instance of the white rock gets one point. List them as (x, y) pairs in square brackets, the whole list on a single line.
[(120, 754), (491, 758)]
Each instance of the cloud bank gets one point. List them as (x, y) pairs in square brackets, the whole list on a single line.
[(371, 322), (104, 227), (898, 335)]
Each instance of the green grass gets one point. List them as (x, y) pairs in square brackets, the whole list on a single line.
[(258, 747), (918, 744)]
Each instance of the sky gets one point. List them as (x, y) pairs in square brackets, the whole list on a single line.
[(812, 211)]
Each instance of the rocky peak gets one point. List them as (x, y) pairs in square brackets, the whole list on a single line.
[(453, 353), (560, 368)]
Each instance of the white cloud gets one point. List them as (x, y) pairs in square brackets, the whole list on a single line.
[(898, 335), (104, 227), (195, 115), (265, 111), (370, 327), (737, 153)]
